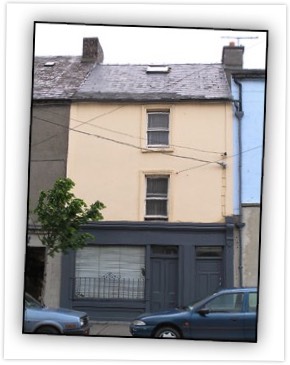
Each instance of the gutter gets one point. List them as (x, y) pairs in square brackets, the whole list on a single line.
[(239, 114)]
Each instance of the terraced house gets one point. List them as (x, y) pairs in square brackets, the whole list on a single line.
[(154, 143)]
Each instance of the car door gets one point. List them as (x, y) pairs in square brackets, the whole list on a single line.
[(221, 318)]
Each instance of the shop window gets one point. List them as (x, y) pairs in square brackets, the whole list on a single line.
[(110, 272)]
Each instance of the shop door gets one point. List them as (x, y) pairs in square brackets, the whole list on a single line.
[(209, 271), (164, 278)]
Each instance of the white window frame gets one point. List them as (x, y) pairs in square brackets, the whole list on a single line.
[(156, 217), (160, 129)]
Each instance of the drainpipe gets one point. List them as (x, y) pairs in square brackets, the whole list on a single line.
[(239, 114)]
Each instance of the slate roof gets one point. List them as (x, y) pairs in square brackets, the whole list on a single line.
[(61, 80), (132, 82), (72, 79)]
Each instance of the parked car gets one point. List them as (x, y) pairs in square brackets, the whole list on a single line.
[(228, 315), (41, 319)]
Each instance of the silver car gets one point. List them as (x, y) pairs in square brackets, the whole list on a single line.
[(41, 319)]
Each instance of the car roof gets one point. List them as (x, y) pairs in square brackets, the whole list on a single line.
[(241, 289)]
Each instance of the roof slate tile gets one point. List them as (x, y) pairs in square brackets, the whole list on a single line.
[(72, 79), (61, 80)]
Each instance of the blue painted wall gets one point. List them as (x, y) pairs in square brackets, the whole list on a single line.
[(253, 91)]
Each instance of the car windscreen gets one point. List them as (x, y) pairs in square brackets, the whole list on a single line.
[(31, 302)]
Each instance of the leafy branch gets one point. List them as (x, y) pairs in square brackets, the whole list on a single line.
[(61, 216)]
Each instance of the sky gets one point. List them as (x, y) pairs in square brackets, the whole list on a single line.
[(150, 45)]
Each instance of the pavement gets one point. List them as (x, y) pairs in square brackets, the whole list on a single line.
[(113, 329)]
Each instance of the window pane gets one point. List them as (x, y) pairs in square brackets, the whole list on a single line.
[(157, 186), (164, 250), (158, 121), (156, 207), (207, 252), (158, 138)]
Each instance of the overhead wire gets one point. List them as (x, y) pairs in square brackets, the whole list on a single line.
[(88, 122), (206, 162), (120, 142), (81, 123), (220, 160)]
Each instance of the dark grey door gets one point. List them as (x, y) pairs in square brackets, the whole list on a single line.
[(209, 271), (164, 274)]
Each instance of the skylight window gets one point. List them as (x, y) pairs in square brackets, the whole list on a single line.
[(158, 69), (49, 64)]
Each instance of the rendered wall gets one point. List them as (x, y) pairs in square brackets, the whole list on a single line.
[(49, 143), (108, 159), (250, 249)]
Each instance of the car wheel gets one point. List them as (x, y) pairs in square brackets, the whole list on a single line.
[(48, 330), (167, 332)]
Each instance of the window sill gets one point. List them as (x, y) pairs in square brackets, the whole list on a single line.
[(156, 218), (157, 149)]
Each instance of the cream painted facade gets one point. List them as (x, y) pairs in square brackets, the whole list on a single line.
[(108, 159)]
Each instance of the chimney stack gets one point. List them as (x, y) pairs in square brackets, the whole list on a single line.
[(92, 50), (233, 56)]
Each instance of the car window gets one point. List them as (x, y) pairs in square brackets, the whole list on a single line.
[(231, 302), (30, 302), (252, 302)]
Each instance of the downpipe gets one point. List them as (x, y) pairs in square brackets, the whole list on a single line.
[(239, 115)]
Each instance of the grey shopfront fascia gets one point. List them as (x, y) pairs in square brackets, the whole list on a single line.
[(168, 247)]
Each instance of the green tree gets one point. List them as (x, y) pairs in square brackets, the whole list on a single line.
[(61, 216)]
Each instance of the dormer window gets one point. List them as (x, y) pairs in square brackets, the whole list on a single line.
[(158, 69)]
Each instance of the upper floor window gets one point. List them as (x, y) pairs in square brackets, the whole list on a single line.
[(158, 128), (156, 198)]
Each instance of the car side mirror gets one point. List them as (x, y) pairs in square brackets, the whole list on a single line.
[(203, 311)]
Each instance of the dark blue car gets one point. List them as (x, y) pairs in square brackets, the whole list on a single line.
[(228, 315)]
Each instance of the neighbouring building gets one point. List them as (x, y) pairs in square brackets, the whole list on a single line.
[(248, 87), (53, 88), (249, 101)]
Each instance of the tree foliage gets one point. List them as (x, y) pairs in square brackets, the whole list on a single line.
[(61, 216)]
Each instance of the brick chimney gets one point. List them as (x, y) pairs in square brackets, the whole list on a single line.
[(92, 50)]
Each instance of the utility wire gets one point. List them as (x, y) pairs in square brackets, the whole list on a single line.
[(219, 161), (81, 123), (123, 143), (88, 122), (206, 162)]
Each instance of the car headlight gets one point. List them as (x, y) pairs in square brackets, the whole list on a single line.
[(137, 322)]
